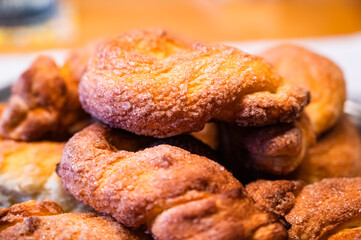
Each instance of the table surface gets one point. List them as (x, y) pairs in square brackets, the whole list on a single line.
[(206, 20)]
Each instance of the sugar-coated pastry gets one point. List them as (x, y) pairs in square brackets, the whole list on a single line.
[(27, 171), (337, 153), (329, 209), (351, 233), (45, 220), (135, 184), (138, 184), (277, 196), (231, 215), (281, 148), (16, 213), (44, 104), (325, 208), (319, 74), (275, 149), (150, 82)]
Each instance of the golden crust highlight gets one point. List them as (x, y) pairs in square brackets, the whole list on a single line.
[(152, 83)]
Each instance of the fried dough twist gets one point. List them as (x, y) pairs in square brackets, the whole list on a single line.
[(44, 104), (281, 148), (276, 149), (230, 215), (45, 220), (152, 83), (267, 145), (319, 74), (326, 83), (322, 210), (347, 234), (277, 196), (27, 171), (326, 207), (337, 153), (163, 187)]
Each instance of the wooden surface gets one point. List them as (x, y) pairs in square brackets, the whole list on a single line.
[(209, 20)]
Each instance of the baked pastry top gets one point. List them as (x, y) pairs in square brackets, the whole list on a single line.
[(44, 105), (162, 182), (45, 220), (153, 83), (337, 153), (163, 187), (323, 210), (319, 74)]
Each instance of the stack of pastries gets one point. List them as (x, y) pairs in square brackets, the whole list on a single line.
[(151, 136)]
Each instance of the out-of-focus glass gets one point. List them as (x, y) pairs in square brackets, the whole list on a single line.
[(24, 12), (35, 24)]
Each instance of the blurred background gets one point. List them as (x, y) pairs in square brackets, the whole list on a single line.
[(329, 27), (30, 25)]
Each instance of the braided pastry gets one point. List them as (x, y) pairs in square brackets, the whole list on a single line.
[(347, 234), (152, 83), (27, 171), (337, 153), (281, 148), (322, 210), (319, 74), (108, 170), (44, 104), (45, 220), (326, 207), (277, 196), (272, 150), (228, 215)]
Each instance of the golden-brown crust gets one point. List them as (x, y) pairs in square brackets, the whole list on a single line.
[(152, 83), (229, 215), (351, 233), (117, 173), (44, 104), (320, 75), (134, 187), (276, 149), (266, 107), (326, 207), (280, 148), (336, 154), (276, 196), (27, 171), (44, 220), (16, 213), (75, 226)]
